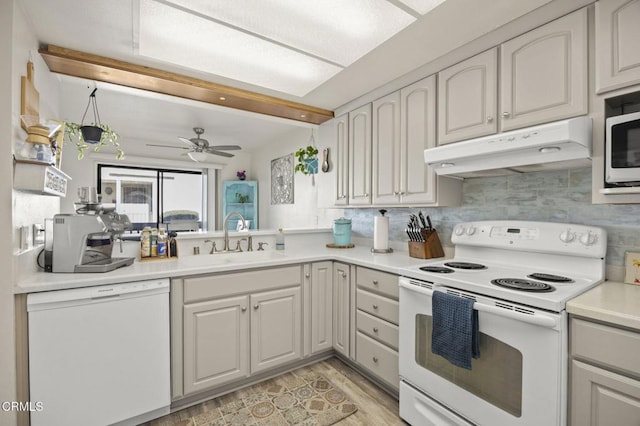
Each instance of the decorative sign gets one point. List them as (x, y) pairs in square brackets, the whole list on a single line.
[(282, 180)]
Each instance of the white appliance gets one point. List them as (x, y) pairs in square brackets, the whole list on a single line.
[(519, 275), (622, 144), (563, 144), (100, 355)]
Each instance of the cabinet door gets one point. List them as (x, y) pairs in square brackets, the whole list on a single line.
[(276, 328), (386, 149), (544, 73), (341, 159), (417, 133), (602, 398), (360, 156), (321, 306), (341, 308), (216, 343), (617, 38), (467, 98)]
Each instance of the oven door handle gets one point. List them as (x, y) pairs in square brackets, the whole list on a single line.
[(537, 318)]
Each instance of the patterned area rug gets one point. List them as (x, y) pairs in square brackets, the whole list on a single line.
[(307, 399)]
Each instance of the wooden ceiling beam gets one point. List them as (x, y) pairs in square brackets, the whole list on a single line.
[(99, 68)]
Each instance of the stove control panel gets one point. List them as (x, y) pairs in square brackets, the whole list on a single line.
[(545, 237)]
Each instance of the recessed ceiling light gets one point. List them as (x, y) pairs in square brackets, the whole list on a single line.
[(222, 98), (302, 116)]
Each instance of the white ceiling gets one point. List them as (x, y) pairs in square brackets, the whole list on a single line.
[(112, 29)]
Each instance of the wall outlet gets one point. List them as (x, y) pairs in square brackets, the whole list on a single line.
[(38, 234)]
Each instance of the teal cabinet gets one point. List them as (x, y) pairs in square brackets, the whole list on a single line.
[(240, 196)]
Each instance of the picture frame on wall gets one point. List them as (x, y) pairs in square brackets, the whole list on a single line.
[(632, 267), (282, 180)]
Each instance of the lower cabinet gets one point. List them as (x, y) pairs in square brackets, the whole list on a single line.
[(342, 309), (235, 325), (605, 375), (377, 324)]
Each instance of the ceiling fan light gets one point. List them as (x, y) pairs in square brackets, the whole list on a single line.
[(200, 157)]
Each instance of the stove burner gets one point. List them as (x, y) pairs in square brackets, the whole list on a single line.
[(465, 265), (523, 285), (437, 269), (550, 278)]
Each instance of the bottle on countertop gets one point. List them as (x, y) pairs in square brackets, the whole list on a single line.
[(154, 242), (145, 242), (280, 239), (162, 244), (173, 244)]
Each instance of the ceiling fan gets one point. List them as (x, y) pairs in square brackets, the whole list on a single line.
[(199, 147)]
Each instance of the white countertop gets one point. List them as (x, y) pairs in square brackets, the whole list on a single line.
[(612, 302), (207, 264)]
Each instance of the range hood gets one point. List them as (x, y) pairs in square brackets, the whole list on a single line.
[(562, 144)]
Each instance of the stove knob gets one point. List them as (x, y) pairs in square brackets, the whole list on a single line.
[(471, 230), (459, 230), (567, 236), (588, 239)]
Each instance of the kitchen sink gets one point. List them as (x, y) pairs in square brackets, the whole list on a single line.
[(232, 258)]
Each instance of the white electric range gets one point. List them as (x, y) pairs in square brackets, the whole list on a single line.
[(520, 275)]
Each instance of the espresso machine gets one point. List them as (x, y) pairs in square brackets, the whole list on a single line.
[(84, 243)]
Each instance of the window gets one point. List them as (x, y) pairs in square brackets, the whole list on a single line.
[(173, 199)]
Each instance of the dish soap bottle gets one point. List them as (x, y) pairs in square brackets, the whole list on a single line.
[(280, 240)]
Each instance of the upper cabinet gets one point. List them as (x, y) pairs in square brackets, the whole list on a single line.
[(543, 78), (617, 44), (360, 156), (468, 98), (543, 73), (386, 149), (341, 135)]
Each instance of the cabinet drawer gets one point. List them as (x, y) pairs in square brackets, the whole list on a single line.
[(379, 359), (376, 281), (380, 330), (218, 285), (379, 306), (606, 345)]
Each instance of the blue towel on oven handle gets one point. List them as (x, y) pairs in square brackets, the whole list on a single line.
[(455, 330)]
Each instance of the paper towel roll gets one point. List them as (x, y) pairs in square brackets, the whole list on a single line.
[(381, 233)]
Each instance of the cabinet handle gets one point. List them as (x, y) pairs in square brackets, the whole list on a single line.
[(489, 119), (341, 197), (506, 114), (344, 275), (375, 359), (307, 275), (244, 309), (256, 306), (375, 282), (375, 329), (375, 306)]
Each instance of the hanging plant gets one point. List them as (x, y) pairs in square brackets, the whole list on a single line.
[(307, 160), (96, 133), (73, 132)]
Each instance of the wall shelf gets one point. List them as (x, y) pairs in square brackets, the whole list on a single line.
[(232, 191), (39, 177)]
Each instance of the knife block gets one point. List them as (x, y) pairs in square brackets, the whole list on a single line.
[(428, 249)]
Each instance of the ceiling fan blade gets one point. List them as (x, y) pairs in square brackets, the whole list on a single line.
[(225, 147), (221, 153), (167, 146), (187, 141)]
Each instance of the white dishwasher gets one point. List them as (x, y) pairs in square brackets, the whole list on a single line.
[(100, 355)]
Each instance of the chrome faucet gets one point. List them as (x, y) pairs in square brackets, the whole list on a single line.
[(226, 229)]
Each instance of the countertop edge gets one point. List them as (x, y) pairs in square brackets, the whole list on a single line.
[(612, 302)]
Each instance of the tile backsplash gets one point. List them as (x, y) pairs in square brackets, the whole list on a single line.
[(557, 196)]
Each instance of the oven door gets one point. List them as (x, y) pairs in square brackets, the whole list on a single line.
[(519, 378), (623, 148)]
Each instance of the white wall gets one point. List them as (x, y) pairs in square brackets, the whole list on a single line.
[(306, 212)]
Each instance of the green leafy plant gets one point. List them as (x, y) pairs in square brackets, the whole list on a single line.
[(242, 198), (109, 137), (304, 156)]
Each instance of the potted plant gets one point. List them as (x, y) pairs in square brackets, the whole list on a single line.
[(100, 135), (307, 160)]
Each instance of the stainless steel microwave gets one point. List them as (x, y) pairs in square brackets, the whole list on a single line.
[(622, 145)]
